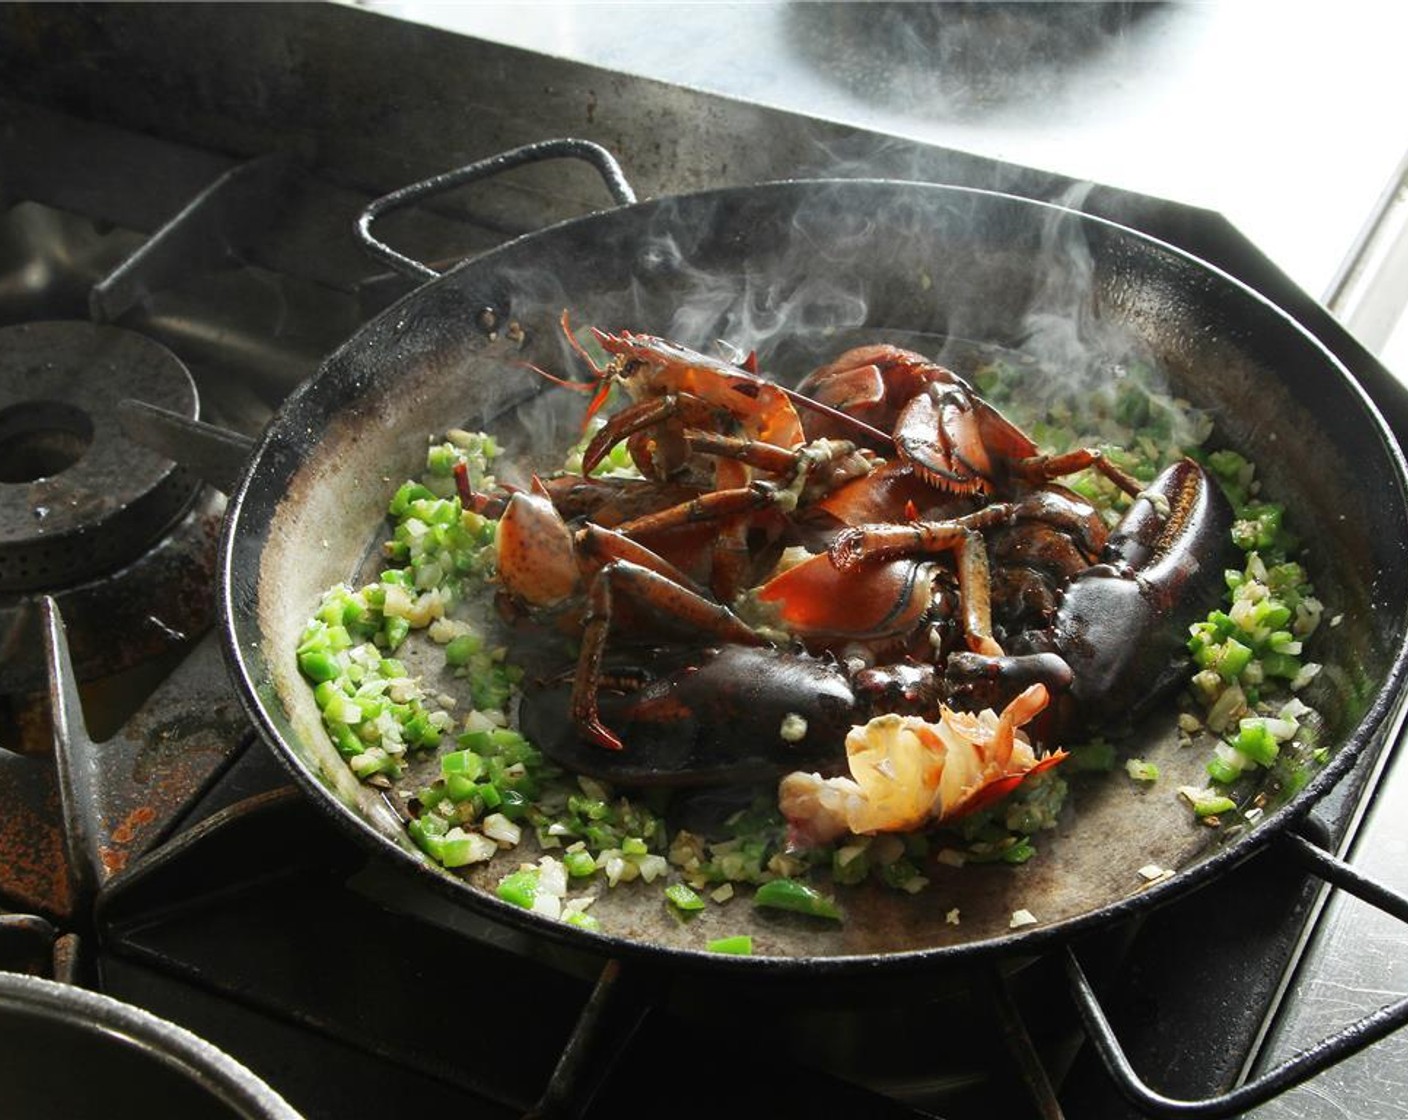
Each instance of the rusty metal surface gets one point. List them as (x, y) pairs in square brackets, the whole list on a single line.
[(173, 748), (157, 603), (134, 782), (33, 868), (121, 796)]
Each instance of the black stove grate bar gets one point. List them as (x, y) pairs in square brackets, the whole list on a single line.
[(76, 763), (207, 233), (212, 453), (610, 1018), (1032, 1068)]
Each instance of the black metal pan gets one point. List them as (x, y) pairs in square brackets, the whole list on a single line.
[(788, 268)]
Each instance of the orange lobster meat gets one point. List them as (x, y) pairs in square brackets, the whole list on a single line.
[(907, 772)]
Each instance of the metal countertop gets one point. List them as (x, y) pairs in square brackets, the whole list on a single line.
[(1280, 116)]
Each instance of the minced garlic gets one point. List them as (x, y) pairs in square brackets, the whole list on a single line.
[(793, 729)]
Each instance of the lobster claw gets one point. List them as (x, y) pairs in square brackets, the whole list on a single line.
[(536, 555), (1123, 627), (957, 441), (945, 431), (1117, 645), (730, 715)]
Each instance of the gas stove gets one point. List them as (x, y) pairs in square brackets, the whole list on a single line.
[(177, 252)]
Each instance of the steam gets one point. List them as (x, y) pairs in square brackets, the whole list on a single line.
[(720, 312), (1074, 333), (1060, 321), (961, 61), (797, 272), (767, 312), (1063, 327)]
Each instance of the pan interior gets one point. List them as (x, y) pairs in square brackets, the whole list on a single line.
[(313, 511)]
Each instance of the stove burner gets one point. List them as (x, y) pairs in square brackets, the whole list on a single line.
[(77, 498), (123, 539)]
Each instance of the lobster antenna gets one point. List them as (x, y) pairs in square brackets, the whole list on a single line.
[(575, 386), (836, 414), (603, 385)]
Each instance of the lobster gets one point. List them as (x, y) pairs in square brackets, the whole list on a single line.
[(951, 437), (1110, 646), (734, 436)]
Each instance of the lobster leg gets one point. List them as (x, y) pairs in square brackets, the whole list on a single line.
[(710, 506), (664, 595), (764, 456), (731, 510), (729, 552), (1046, 468), (610, 501), (643, 416), (731, 506), (599, 546), (960, 536)]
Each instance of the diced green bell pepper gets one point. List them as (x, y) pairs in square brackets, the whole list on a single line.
[(794, 895)]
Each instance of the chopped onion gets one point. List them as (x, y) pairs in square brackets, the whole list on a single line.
[(552, 877), (652, 867), (498, 827)]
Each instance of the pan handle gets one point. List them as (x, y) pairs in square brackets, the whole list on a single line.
[(564, 148), (1299, 1067)]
